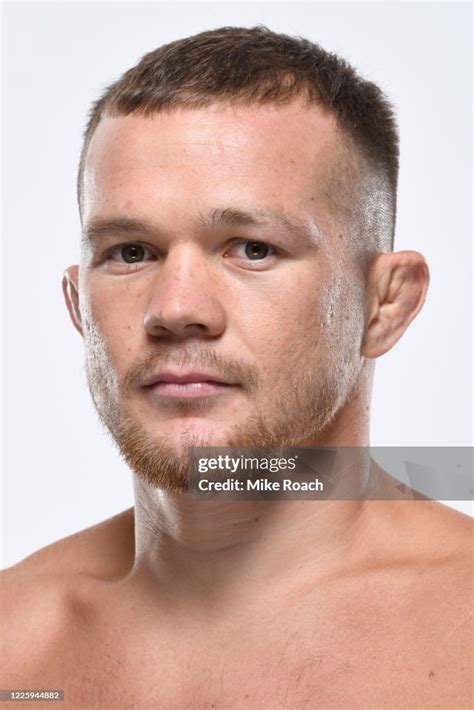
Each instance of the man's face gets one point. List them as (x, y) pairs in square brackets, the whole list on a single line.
[(209, 253)]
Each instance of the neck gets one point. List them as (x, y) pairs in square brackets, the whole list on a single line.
[(209, 551)]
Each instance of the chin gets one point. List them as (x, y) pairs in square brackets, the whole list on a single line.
[(181, 433)]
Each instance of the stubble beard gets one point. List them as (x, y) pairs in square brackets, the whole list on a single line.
[(305, 407)]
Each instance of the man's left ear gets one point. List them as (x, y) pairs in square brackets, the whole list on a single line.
[(396, 291)]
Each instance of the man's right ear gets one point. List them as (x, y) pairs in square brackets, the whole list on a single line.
[(71, 295)]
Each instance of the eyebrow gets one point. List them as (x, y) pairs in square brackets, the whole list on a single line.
[(305, 234), (99, 228), (232, 217)]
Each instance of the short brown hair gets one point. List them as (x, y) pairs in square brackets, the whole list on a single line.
[(257, 66)]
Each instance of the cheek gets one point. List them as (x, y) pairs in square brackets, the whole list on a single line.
[(284, 325), (110, 324)]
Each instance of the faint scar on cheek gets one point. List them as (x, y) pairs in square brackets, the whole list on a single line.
[(314, 232)]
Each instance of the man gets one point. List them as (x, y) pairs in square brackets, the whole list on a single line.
[(237, 281)]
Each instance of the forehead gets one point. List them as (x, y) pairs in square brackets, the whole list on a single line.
[(189, 159)]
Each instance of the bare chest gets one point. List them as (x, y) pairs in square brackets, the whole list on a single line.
[(336, 665)]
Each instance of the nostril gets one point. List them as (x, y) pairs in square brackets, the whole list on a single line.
[(197, 312), (162, 325)]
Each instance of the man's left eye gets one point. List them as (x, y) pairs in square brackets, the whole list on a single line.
[(255, 251)]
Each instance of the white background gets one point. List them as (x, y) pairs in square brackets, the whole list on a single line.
[(61, 473)]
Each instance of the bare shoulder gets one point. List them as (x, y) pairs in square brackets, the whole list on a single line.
[(425, 548), (413, 600), (442, 544), (36, 593), (438, 531), (102, 549), (423, 529)]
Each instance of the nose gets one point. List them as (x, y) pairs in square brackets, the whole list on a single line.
[(184, 300)]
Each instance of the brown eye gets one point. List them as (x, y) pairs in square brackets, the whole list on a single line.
[(131, 253), (256, 250)]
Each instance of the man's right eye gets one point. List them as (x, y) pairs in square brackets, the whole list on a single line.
[(129, 253)]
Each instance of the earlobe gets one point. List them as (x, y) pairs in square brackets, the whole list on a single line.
[(70, 284), (397, 286)]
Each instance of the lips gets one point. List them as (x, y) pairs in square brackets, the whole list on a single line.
[(180, 378), (187, 385)]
